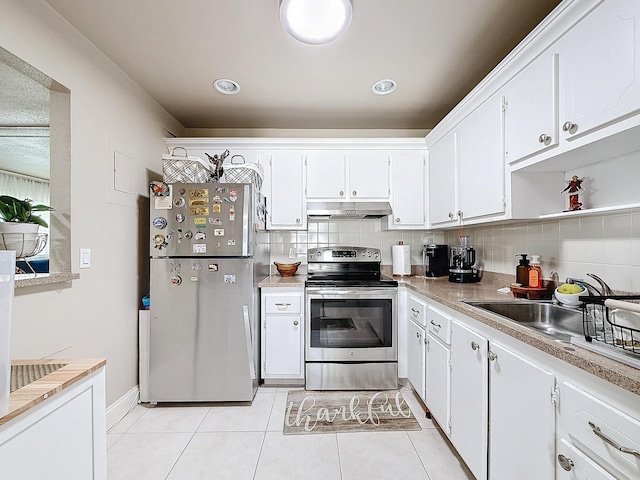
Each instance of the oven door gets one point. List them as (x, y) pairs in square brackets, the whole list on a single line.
[(351, 324)]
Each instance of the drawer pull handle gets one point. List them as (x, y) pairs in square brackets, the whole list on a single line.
[(414, 311), (565, 463), (283, 305), (437, 325), (474, 346), (492, 356), (596, 430)]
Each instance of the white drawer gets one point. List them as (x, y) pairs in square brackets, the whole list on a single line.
[(282, 303), (572, 464), (439, 324), (589, 421), (416, 311)]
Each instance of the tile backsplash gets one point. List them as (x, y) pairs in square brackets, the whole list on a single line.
[(607, 245)]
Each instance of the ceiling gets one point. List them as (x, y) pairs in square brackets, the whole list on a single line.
[(436, 50)]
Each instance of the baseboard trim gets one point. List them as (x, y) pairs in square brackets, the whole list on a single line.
[(118, 409)]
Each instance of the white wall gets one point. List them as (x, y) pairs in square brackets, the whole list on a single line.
[(95, 316)]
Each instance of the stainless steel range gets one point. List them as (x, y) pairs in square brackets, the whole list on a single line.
[(351, 324)]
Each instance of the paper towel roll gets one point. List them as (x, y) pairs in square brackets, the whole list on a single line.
[(401, 259)]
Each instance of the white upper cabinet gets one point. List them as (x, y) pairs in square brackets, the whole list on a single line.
[(408, 190), (285, 197), (369, 173), (353, 176), (442, 181), (481, 169), (326, 174), (531, 117), (600, 68)]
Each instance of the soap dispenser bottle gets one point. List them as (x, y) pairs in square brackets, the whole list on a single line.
[(522, 270), (535, 272)]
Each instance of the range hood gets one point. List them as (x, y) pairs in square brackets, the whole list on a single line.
[(347, 210)]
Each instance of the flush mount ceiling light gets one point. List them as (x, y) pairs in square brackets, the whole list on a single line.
[(315, 21), (384, 87), (226, 86)]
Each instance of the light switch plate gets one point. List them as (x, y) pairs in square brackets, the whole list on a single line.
[(85, 257)]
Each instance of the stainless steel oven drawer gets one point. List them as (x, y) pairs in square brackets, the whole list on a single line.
[(351, 376)]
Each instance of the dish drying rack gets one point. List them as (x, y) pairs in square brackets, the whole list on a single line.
[(600, 325)]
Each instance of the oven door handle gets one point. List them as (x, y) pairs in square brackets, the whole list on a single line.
[(350, 291)]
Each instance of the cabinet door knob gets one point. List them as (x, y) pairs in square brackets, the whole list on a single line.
[(354, 193), (474, 346), (341, 193), (569, 127), (397, 220), (544, 138), (565, 463), (451, 215), (417, 334), (295, 322), (297, 220), (460, 213), (492, 356)]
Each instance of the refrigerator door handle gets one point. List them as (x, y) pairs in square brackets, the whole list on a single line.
[(247, 335), (246, 232)]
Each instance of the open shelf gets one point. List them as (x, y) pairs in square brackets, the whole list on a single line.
[(591, 211)]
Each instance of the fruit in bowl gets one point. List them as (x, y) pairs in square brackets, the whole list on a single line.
[(569, 294)]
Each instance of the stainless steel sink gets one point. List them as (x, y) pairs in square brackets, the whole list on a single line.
[(558, 322)]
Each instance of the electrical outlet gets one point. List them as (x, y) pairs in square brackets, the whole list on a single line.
[(85, 257)]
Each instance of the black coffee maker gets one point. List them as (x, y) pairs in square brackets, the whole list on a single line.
[(435, 259), (462, 264)]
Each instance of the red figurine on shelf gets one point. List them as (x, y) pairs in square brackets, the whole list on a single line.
[(574, 186)]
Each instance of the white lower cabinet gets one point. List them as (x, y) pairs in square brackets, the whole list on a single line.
[(595, 436), (65, 434), (282, 340), (438, 379), (521, 417), (416, 348), (512, 411), (470, 397)]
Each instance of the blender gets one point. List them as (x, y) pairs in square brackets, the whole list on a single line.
[(462, 263)]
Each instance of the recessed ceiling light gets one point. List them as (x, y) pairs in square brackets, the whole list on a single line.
[(384, 87), (315, 21), (226, 86)]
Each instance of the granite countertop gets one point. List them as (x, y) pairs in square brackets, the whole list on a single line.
[(278, 280), (64, 374), (452, 295)]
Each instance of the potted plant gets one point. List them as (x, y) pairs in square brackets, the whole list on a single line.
[(19, 228)]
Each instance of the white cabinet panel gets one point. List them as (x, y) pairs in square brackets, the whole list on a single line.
[(438, 381), (416, 353), (326, 174), (285, 200), (469, 397), (600, 68), (282, 339), (442, 181), (408, 191), (521, 415), (481, 167), (531, 119), (368, 175)]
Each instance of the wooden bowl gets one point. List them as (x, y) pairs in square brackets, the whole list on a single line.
[(287, 269)]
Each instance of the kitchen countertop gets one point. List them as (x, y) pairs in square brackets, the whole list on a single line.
[(39, 390), (453, 295)]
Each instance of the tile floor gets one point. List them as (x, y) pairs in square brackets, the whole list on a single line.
[(246, 442)]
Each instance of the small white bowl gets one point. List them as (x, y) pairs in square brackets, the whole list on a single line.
[(570, 299)]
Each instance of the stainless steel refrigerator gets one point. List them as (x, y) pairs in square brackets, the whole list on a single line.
[(209, 251)]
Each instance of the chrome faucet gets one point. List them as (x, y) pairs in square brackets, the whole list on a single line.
[(606, 291)]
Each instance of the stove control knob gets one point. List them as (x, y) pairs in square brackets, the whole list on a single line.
[(376, 255)]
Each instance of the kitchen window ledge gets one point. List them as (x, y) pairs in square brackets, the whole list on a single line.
[(30, 280)]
